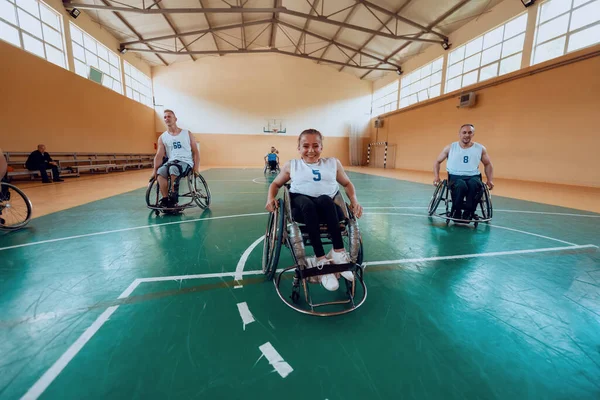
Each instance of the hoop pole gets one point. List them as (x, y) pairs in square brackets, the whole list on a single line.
[(385, 156), (368, 153)]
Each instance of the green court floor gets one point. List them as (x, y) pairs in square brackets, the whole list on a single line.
[(108, 301)]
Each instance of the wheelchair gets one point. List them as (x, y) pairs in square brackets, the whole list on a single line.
[(282, 229), (196, 193), (269, 170), (442, 193), (15, 207)]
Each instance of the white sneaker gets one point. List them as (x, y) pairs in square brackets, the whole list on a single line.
[(311, 262), (328, 281), (341, 258)]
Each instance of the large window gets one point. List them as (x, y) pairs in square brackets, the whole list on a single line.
[(138, 85), (564, 26), (35, 27), (385, 99), (495, 53), (422, 84), (88, 52)]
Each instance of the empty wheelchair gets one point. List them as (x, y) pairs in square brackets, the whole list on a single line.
[(442, 193), (283, 230), (15, 207), (189, 190)]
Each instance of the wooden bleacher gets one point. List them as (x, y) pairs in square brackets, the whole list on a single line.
[(73, 164)]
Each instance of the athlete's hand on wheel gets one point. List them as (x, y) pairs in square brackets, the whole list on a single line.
[(357, 210), (490, 184), (436, 182), (271, 205)]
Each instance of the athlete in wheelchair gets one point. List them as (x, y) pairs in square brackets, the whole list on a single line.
[(464, 183), (272, 162), (180, 160), (15, 207), (312, 212)]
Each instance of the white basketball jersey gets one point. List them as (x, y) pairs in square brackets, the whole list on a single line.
[(178, 147), (464, 161), (314, 179)]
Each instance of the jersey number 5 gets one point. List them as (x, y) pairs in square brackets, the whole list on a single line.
[(316, 172), (466, 159)]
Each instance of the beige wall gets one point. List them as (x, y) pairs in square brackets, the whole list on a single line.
[(237, 94), (249, 150), (543, 126), (44, 103)]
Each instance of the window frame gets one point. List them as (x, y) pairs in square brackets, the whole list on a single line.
[(23, 32), (480, 53), (567, 35)]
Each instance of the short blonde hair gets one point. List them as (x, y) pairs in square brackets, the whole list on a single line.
[(310, 132)]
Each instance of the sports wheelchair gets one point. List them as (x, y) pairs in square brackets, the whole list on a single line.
[(197, 192), (15, 207), (282, 229), (442, 193), (269, 170)]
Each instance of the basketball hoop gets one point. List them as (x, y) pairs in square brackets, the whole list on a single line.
[(275, 130)]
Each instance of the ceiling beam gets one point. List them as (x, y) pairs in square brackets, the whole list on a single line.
[(281, 10), (432, 25), (209, 26), (199, 32), (247, 51), (333, 42), (128, 25), (307, 24), (402, 7), (276, 4), (394, 15), (175, 30), (340, 29)]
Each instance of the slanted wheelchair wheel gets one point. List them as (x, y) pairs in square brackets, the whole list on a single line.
[(15, 207), (152, 194), (437, 197), (202, 196), (486, 203), (359, 258), (272, 242)]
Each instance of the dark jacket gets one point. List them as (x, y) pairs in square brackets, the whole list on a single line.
[(37, 160)]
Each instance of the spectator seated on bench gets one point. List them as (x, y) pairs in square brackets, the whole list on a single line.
[(39, 160)]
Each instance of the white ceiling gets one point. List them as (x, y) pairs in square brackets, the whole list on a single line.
[(418, 19)]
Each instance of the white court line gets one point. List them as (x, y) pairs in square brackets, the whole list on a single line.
[(550, 213), (128, 229), (480, 255), (283, 368), (38, 388), (533, 234), (409, 207), (490, 225), (260, 183), (130, 289), (499, 210), (247, 317), (42, 384), (197, 276), (399, 261), (242, 262)]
